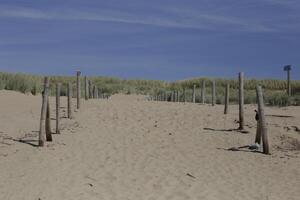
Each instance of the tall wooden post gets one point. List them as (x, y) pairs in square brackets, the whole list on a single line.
[(262, 120), (203, 92), (70, 100), (213, 93), (78, 88), (86, 88), (194, 94), (288, 69), (43, 113), (226, 98), (241, 100), (48, 123), (58, 86)]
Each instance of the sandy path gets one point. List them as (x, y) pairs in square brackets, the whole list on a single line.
[(128, 148)]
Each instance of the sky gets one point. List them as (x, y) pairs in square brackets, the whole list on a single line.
[(157, 39)]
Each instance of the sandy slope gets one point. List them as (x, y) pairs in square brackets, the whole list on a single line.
[(129, 148)]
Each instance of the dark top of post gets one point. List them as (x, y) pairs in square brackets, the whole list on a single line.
[(287, 68)]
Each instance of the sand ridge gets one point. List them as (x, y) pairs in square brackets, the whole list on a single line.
[(130, 148)]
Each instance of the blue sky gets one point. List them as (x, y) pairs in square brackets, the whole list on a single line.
[(157, 39)]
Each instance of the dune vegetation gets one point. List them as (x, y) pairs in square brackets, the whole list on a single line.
[(274, 90)]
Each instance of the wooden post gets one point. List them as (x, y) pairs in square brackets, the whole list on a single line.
[(43, 113), (48, 123), (70, 100), (58, 86), (194, 94), (288, 69), (78, 88), (258, 133), (86, 88), (241, 100), (226, 98), (184, 95), (90, 90), (95, 90), (203, 92), (213, 93), (262, 119), (99, 93)]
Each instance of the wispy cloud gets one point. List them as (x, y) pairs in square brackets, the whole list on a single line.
[(184, 19)]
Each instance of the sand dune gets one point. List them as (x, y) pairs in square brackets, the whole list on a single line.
[(130, 148)]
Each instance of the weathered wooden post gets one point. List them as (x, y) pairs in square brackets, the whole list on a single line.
[(262, 120), (43, 113), (226, 98), (213, 93), (203, 92), (288, 69), (70, 100), (184, 95), (194, 94), (86, 88), (48, 123), (241, 100), (91, 90), (78, 88), (58, 86), (95, 90)]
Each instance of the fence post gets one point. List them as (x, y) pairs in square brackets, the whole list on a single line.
[(48, 123), (90, 90), (58, 86), (213, 99), (241, 100), (203, 92), (184, 95), (194, 94), (226, 98), (70, 100), (43, 113), (78, 88), (262, 119), (86, 88)]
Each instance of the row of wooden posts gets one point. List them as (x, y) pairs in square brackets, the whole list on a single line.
[(261, 123), (90, 91)]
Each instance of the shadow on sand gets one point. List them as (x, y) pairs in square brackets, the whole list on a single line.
[(227, 130)]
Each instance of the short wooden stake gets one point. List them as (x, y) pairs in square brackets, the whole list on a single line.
[(42, 130), (86, 88), (78, 93), (241, 100), (213, 93), (58, 86), (70, 100), (48, 123), (262, 120), (203, 92), (226, 98)]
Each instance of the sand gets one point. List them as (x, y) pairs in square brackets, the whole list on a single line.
[(129, 148)]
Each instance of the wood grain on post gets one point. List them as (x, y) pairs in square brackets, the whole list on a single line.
[(58, 86), (43, 113), (226, 98), (86, 88), (78, 89), (48, 123), (70, 100), (241, 100), (262, 120), (194, 94), (213, 93), (203, 92)]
